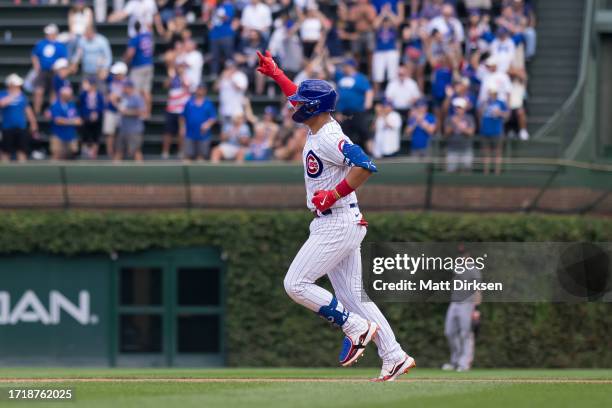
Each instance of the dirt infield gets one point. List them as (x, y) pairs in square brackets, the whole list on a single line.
[(305, 380)]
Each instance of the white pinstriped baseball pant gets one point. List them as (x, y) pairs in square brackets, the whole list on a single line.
[(334, 249)]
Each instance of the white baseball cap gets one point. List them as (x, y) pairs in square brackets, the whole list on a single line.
[(13, 80), (60, 64), (119, 68), (460, 103), (51, 29), (492, 87)]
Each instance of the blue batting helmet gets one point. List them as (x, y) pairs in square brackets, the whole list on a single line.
[(316, 96)]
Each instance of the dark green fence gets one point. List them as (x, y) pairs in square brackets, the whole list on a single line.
[(546, 185)]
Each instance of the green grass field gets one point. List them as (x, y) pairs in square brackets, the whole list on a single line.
[(311, 388)]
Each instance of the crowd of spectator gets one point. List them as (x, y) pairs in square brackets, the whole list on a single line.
[(419, 70)]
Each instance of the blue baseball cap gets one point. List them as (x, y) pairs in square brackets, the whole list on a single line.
[(350, 61), (270, 110), (420, 103)]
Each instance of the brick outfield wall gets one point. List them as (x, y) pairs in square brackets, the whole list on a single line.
[(371, 197)]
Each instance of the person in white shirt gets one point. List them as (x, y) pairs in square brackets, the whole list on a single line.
[(503, 49), (257, 16), (448, 25), (232, 86), (286, 46), (194, 61), (312, 30), (388, 127), (491, 77), (403, 92), (141, 11)]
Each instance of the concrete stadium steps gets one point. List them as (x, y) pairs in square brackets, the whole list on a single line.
[(43, 13), (554, 70), (549, 148)]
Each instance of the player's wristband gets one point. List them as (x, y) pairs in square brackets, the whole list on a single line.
[(343, 189)]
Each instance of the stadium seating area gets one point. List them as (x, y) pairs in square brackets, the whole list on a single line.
[(551, 71)]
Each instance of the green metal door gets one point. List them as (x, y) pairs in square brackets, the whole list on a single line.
[(169, 308)]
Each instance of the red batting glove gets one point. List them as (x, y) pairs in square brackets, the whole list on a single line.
[(324, 199), (268, 67)]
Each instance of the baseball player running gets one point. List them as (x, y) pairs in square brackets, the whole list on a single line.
[(333, 168)]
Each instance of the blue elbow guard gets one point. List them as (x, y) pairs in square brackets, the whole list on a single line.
[(355, 155)]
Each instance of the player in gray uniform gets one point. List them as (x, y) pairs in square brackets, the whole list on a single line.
[(461, 313)]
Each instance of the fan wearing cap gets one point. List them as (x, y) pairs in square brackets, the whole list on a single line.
[(65, 120), (132, 109), (388, 125), (493, 114), (61, 70), (115, 83), (491, 76), (44, 55), (503, 49), (16, 114), (422, 125), (459, 131)]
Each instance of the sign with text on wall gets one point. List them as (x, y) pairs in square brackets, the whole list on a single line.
[(54, 309)]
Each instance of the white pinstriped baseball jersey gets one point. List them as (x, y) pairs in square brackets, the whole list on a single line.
[(324, 164), (334, 245)]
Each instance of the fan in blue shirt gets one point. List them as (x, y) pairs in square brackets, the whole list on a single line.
[(48, 51), (395, 6), (13, 110), (221, 21), (60, 79), (140, 49), (386, 36), (422, 125), (493, 113), (353, 88), (16, 112), (199, 115), (65, 117)]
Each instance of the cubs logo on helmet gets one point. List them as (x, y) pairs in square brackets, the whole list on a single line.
[(314, 165)]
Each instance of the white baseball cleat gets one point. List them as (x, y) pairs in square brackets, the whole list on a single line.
[(353, 347), (390, 372)]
